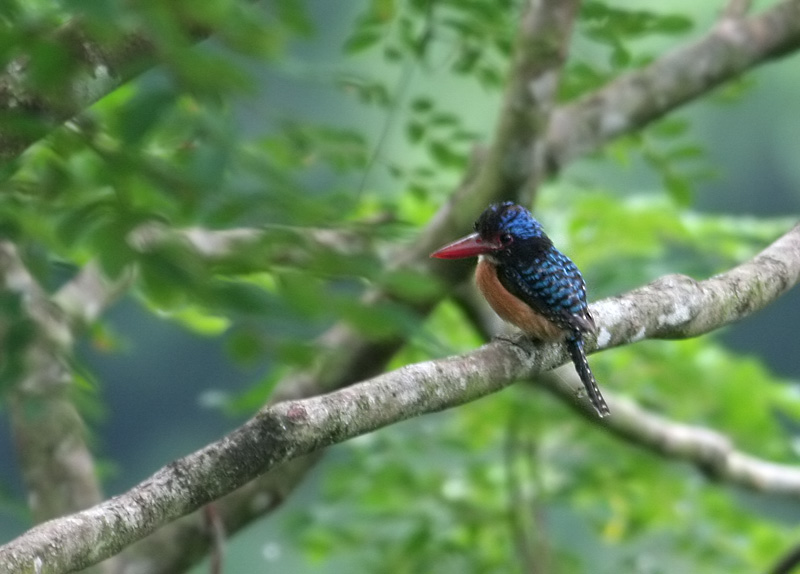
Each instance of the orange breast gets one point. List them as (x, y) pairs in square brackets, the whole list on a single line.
[(512, 309)]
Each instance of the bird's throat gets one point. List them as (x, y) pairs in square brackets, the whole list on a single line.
[(510, 308)]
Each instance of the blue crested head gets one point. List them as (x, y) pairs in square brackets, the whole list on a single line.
[(508, 222), (505, 232)]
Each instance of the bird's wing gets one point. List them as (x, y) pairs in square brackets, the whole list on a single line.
[(553, 286)]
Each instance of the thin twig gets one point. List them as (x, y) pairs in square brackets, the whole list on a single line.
[(788, 563), (216, 532)]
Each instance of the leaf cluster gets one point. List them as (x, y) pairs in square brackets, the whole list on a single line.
[(133, 180)]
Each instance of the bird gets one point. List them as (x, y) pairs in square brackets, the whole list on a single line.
[(531, 284)]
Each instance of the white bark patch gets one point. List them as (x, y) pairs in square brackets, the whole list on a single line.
[(613, 122), (543, 87), (679, 316), (610, 313), (101, 72)]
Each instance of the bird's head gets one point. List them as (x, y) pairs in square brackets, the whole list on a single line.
[(502, 232)]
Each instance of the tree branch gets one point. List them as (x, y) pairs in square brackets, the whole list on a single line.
[(736, 9), (448, 225), (679, 307), (510, 168), (57, 465), (99, 70), (89, 293), (635, 99), (31, 108), (181, 544), (710, 451), (668, 308), (358, 358), (514, 163)]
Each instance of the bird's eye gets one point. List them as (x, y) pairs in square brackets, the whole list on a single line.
[(506, 239)]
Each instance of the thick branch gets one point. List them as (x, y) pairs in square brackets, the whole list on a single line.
[(509, 169), (39, 109), (736, 9), (181, 544), (666, 308), (31, 108), (515, 161), (48, 431), (86, 296), (57, 466), (679, 307), (221, 245), (633, 100), (452, 221)]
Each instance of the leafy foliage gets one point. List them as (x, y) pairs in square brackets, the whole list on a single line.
[(452, 490), (499, 483)]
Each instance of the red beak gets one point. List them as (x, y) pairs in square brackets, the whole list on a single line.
[(469, 246)]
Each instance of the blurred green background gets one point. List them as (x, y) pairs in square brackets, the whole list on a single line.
[(432, 491)]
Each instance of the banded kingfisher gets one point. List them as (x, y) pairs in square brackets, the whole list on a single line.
[(530, 283)]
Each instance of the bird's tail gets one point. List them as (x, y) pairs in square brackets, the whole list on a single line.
[(578, 354)]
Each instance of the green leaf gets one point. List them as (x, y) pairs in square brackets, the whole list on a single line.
[(256, 395), (679, 188), (443, 154), (362, 40), (246, 346), (144, 111), (195, 319), (673, 24), (421, 104), (415, 131)]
